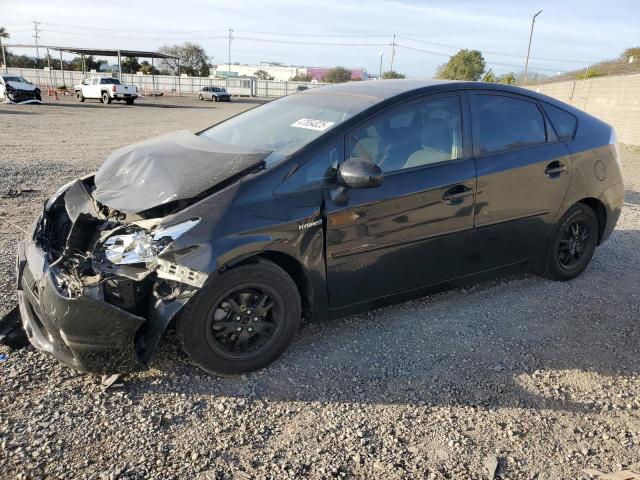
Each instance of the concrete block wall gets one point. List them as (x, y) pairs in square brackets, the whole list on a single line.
[(615, 100)]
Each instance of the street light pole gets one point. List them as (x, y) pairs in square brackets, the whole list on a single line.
[(380, 74), (526, 64)]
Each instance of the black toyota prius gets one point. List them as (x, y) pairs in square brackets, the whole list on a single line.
[(329, 201)]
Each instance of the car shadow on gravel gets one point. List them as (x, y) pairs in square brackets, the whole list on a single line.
[(493, 344)]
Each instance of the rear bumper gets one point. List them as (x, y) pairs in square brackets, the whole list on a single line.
[(125, 96), (86, 333), (613, 200)]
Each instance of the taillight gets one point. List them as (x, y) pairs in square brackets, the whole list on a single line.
[(113, 88)]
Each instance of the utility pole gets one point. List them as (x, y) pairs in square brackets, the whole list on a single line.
[(380, 74), (393, 51), (36, 35), (229, 65), (526, 63)]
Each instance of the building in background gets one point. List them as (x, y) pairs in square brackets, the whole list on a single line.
[(278, 71), (318, 73)]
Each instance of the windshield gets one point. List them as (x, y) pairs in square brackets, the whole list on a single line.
[(286, 125), (14, 79)]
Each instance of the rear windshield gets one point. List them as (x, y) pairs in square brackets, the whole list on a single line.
[(285, 125), (109, 81)]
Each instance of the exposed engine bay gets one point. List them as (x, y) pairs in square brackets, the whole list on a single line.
[(97, 251)]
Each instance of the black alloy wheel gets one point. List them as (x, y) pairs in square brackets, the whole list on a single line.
[(571, 244), (242, 319), (245, 321)]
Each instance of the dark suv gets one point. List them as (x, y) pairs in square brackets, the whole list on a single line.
[(322, 203)]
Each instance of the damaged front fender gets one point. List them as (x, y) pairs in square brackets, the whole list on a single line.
[(94, 310)]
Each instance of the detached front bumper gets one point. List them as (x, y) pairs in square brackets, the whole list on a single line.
[(86, 333)]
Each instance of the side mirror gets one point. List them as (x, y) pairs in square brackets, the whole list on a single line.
[(359, 173)]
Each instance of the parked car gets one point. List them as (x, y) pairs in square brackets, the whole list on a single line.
[(215, 94), (106, 89), (16, 89), (326, 202)]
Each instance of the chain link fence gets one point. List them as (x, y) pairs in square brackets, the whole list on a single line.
[(169, 84)]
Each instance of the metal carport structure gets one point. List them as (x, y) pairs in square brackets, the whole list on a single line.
[(100, 52)]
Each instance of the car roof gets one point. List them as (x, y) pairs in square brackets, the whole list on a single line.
[(386, 89), (379, 89)]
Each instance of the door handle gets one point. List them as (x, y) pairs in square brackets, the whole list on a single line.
[(455, 194), (554, 169)]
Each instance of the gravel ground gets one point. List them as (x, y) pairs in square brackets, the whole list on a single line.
[(542, 377)]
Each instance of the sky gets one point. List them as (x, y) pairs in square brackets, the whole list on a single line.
[(568, 34)]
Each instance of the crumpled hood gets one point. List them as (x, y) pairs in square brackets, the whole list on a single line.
[(22, 86), (175, 166)]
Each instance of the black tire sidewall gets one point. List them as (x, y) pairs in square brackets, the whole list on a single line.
[(551, 263), (192, 322), (108, 98)]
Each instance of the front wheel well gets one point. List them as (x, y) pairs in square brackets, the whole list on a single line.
[(601, 214), (295, 270)]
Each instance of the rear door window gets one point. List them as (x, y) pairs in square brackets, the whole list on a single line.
[(564, 123), (504, 122)]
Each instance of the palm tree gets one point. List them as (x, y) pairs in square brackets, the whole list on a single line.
[(3, 34)]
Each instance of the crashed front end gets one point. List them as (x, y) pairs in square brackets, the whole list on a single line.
[(97, 289), (18, 92)]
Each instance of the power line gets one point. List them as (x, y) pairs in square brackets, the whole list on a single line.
[(317, 35), (499, 54), (490, 62), (326, 44), (80, 27), (212, 37)]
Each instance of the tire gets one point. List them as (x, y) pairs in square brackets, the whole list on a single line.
[(129, 101), (79, 96), (106, 99), (200, 97), (214, 99), (571, 244), (209, 324)]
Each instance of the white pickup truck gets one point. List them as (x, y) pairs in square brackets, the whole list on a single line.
[(106, 89)]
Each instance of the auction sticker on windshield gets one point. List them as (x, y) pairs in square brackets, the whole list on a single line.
[(311, 124)]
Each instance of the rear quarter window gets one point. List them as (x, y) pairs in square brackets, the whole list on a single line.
[(564, 123)]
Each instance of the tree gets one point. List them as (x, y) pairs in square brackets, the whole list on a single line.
[(489, 77), (147, 68), (337, 75), (507, 78), (130, 65), (301, 77), (392, 74), (90, 62), (631, 52), (263, 75), (3, 34), (193, 58), (464, 65)]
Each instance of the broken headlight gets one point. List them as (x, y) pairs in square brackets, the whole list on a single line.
[(141, 246)]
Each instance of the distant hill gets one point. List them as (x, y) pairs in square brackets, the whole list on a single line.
[(627, 64)]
